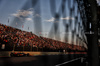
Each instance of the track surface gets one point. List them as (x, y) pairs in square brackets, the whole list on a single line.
[(45, 60)]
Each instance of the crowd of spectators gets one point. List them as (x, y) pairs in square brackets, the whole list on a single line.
[(16, 39)]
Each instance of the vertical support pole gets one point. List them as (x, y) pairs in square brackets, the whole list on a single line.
[(93, 52)]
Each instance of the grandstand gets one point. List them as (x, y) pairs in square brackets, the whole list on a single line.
[(18, 40)]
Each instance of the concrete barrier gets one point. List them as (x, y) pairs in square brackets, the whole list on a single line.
[(7, 53), (4, 54)]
